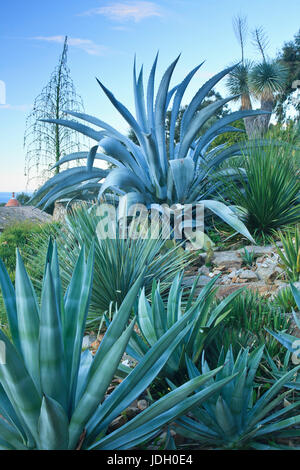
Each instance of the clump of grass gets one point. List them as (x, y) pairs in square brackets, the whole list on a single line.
[(248, 258)]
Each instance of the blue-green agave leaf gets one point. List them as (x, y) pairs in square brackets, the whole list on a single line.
[(53, 426)]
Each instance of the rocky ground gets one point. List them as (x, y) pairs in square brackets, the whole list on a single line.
[(264, 274)]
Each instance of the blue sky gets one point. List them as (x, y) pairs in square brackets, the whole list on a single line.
[(103, 38)]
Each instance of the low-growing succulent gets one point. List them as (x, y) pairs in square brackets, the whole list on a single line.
[(238, 417), (53, 396), (156, 316)]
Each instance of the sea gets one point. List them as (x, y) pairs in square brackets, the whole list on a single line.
[(5, 197)]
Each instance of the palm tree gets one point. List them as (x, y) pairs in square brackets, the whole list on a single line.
[(267, 80), (262, 80)]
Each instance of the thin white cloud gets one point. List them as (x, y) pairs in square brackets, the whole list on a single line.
[(120, 28), (127, 11), (87, 45)]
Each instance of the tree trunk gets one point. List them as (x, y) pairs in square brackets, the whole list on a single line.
[(257, 126)]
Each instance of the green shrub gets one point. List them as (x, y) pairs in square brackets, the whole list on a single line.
[(19, 235)]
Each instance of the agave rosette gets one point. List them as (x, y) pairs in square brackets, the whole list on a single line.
[(157, 170)]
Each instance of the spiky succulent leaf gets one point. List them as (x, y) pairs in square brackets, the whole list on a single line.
[(150, 169)]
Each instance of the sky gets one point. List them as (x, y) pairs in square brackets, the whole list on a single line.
[(103, 37)]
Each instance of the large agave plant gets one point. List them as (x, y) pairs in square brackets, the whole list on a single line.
[(53, 396), (157, 170), (232, 418), (156, 318)]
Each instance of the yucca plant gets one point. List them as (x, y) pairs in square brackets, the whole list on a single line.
[(118, 261), (267, 188), (53, 396), (262, 80), (290, 255), (156, 317), (157, 170), (235, 418)]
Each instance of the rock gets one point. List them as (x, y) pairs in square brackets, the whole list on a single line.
[(260, 286), (248, 274), (203, 280), (232, 274), (117, 423), (259, 251), (225, 279), (59, 212), (267, 271), (142, 404), (222, 268), (88, 340), (204, 270), (131, 412), (227, 259), (128, 361), (216, 272), (226, 290), (12, 215)]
